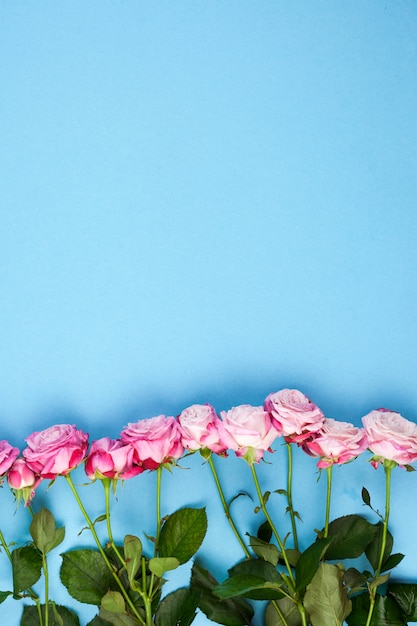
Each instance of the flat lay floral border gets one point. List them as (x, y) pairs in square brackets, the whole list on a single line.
[(317, 586)]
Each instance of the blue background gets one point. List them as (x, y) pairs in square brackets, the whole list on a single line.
[(207, 202)]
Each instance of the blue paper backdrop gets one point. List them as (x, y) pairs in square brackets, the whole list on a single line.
[(206, 202)]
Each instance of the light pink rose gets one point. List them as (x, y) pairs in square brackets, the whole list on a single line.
[(336, 443), (23, 481), (7, 456), (248, 430), (55, 451), (20, 475), (156, 441), (109, 458), (294, 415), (391, 437), (200, 428)]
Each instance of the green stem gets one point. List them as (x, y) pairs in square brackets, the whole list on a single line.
[(102, 552), (271, 524), (106, 485), (46, 576), (226, 507), (158, 508), (290, 579), (329, 473), (289, 496), (388, 467)]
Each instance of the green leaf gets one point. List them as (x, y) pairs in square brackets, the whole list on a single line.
[(309, 561), (373, 550), (265, 532), (113, 602), (4, 595), (233, 612), (58, 616), (117, 620), (405, 594), (366, 498), (354, 580), (289, 610), (392, 561), (178, 607), (26, 566), (98, 621), (183, 533), (386, 612), (326, 599), (44, 532), (159, 566), (132, 548), (85, 575), (249, 586), (351, 534), (267, 551), (263, 570)]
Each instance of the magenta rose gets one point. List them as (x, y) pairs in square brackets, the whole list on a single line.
[(55, 451), (156, 441), (8, 454), (294, 415), (336, 443), (390, 437), (200, 428), (108, 458), (248, 431)]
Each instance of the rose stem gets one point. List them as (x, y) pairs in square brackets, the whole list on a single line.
[(226, 508), (329, 474), (388, 467), (99, 546), (106, 484), (289, 496), (291, 580)]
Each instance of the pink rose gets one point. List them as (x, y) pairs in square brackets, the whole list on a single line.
[(294, 415), (22, 480), (248, 430), (156, 441), (336, 443), (7, 456), (391, 437), (109, 458), (20, 475), (56, 450), (200, 428)]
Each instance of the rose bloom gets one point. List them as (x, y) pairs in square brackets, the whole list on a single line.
[(22, 480), (200, 428), (248, 430), (336, 443), (56, 450), (391, 437), (294, 415), (109, 458), (156, 441), (8, 454), (20, 475)]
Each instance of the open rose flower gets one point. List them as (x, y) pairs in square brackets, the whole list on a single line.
[(201, 428), (248, 430), (156, 441), (55, 451), (109, 458), (8, 454), (294, 415), (336, 443), (22, 480), (390, 437)]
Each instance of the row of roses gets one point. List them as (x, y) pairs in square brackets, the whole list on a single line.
[(247, 430)]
